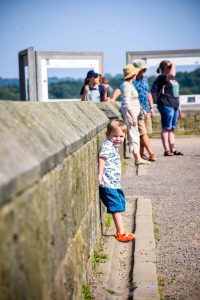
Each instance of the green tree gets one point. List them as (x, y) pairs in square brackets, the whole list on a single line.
[(9, 92)]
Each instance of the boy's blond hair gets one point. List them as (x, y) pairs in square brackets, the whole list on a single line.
[(114, 124)]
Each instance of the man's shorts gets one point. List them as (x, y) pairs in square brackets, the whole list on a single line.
[(113, 199), (145, 125)]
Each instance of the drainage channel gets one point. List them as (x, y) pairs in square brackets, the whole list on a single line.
[(113, 279)]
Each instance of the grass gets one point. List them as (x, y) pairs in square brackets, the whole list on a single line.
[(156, 228), (162, 282), (110, 291), (86, 292), (88, 289), (156, 233), (99, 273), (99, 257), (108, 220)]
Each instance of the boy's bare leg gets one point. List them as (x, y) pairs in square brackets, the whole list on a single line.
[(117, 217)]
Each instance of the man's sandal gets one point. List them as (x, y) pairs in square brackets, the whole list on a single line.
[(124, 237), (152, 157)]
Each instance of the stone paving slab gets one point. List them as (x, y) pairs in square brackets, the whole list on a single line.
[(144, 272)]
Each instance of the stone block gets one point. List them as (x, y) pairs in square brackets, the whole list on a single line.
[(111, 110)]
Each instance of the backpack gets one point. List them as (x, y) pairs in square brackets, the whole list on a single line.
[(101, 92), (155, 92)]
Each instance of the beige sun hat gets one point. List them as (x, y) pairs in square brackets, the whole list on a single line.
[(129, 70), (141, 64)]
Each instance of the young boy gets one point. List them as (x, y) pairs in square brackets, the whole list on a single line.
[(110, 189)]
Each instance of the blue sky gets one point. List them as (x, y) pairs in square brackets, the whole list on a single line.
[(110, 26)]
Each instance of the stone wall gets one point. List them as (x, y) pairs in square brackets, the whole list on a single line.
[(49, 203)]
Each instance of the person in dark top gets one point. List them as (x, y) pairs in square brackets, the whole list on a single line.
[(108, 88), (168, 105)]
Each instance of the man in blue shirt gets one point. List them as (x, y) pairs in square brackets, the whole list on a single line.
[(146, 102)]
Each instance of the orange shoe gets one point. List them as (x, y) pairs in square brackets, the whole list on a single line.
[(124, 237)]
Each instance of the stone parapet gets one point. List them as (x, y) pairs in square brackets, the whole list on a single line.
[(35, 137), (110, 109), (49, 203)]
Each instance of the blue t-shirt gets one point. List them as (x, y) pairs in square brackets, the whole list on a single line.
[(142, 88)]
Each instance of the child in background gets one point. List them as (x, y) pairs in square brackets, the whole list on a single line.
[(92, 90), (110, 189)]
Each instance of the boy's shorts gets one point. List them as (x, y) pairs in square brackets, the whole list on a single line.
[(113, 199)]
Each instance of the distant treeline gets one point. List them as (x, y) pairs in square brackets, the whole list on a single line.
[(69, 88)]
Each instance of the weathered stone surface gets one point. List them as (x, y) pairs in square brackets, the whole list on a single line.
[(110, 109), (49, 208), (35, 137)]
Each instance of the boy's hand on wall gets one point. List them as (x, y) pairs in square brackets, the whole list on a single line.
[(100, 179)]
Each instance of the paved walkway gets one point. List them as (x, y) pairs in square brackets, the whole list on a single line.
[(172, 186)]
